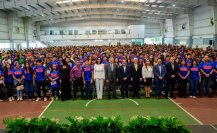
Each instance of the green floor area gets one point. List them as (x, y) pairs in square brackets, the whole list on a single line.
[(125, 108)]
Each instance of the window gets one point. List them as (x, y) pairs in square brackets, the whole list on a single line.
[(70, 32), (51, 32), (75, 32), (61, 32)]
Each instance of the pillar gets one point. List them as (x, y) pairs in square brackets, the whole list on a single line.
[(162, 25), (27, 25), (174, 29), (191, 28), (215, 26), (10, 29)]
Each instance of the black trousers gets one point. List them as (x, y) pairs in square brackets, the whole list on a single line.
[(170, 87), (136, 87), (65, 89), (78, 83), (2, 92), (10, 90), (124, 89), (182, 87), (111, 86), (214, 86), (39, 85)]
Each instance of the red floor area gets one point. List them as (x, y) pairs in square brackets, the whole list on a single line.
[(204, 109), (24, 108)]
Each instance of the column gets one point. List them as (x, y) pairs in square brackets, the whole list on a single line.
[(10, 29), (27, 25), (191, 28), (174, 30), (162, 25), (38, 28), (215, 26)]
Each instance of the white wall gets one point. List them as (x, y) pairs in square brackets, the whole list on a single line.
[(132, 31), (180, 21), (81, 29), (91, 42), (18, 29), (137, 31), (152, 30), (203, 31), (202, 25), (3, 26), (168, 31)]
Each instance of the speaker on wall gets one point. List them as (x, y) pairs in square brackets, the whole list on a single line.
[(210, 42)]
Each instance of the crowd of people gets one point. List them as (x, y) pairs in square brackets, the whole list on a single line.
[(71, 71)]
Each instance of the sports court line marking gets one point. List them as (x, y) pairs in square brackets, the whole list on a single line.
[(213, 127), (89, 102), (46, 108), (134, 102), (186, 112)]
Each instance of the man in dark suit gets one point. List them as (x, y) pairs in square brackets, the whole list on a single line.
[(136, 77), (124, 76), (111, 76), (159, 77), (172, 71)]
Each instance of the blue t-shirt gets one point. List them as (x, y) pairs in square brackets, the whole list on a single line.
[(183, 70), (81, 61), (9, 77), (28, 75), (214, 75), (105, 63), (207, 67), (188, 63), (195, 72), (55, 62), (87, 73), (40, 73), (1, 74), (120, 59), (54, 74), (18, 73)]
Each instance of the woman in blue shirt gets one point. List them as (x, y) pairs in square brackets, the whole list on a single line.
[(28, 80), (194, 78), (8, 74), (183, 78), (54, 81), (18, 76)]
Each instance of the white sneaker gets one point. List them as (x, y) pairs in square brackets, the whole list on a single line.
[(21, 99), (38, 99), (1, 100), (194, 96), (10, 99), (191, 96), (45, 99), (57, 98), (52, 98), (18, 99)]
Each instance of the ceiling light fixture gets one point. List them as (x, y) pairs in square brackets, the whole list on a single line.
[(68, 1)]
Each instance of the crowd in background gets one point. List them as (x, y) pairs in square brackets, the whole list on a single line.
[(70, 71)]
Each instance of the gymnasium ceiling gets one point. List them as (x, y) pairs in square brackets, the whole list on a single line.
[(60, 11)]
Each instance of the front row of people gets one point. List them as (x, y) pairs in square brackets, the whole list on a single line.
[(110, 75)]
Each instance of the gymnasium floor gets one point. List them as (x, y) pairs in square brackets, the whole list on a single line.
[(192, 112)]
